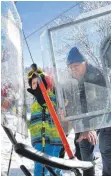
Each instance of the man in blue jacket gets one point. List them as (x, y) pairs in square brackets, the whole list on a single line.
[(85, 141)]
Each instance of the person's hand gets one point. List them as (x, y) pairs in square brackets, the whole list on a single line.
[(91, 136)]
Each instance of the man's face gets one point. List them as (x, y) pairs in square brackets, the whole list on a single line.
[(77, 69), (34, 83)]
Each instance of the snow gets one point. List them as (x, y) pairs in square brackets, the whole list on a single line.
[(16, 160)]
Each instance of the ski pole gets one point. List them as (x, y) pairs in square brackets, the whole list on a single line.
[(25, 170), (10, 157), (55, 118), (43, 143)]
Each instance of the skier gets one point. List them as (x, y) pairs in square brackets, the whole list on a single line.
[(40, 129), (85, 72)]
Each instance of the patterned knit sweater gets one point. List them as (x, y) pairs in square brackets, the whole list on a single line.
[(51, 133)]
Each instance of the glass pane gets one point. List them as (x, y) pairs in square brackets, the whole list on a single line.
[(12, 85), (81, 80)]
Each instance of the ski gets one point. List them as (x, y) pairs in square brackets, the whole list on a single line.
[(65, 164)]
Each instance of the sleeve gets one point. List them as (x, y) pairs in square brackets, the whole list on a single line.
[(31, 91), (100, 78)]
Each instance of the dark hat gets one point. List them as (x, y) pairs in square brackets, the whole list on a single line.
[(34, 66), (74, 56)]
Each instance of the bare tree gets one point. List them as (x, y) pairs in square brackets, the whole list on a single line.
[(93, 5), (79, 34)]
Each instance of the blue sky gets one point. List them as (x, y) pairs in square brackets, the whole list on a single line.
[(34, 14)]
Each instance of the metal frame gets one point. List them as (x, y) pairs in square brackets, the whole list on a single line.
[(82, 18), (104, 49)]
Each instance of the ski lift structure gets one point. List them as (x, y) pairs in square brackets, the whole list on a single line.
[(13, 91)]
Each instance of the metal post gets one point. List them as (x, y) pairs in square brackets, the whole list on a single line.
[(43, 136), (10, 157)]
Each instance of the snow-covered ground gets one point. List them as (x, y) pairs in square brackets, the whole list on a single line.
[(16, 161)]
